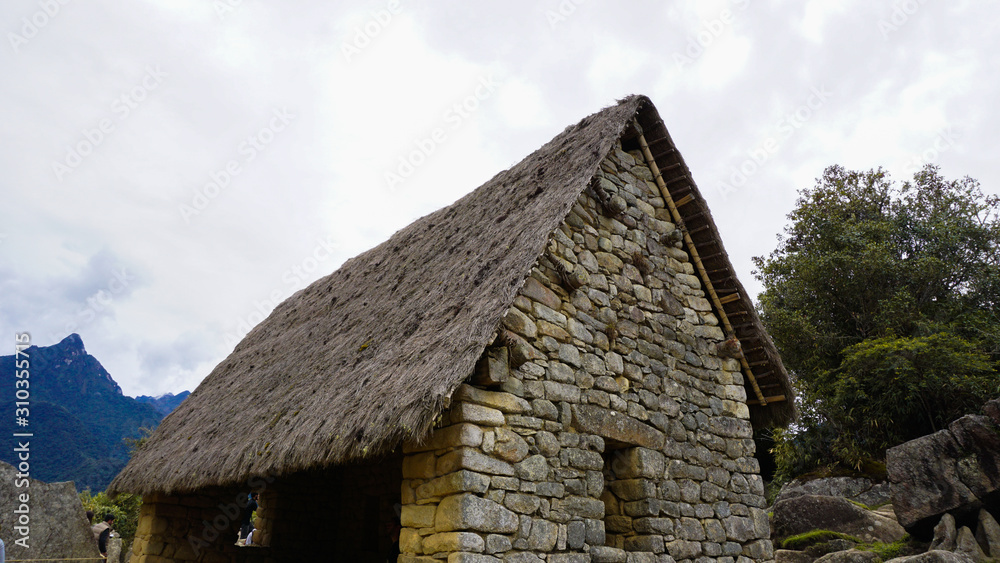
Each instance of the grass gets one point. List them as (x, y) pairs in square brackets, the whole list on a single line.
[(886, 551), (813, 537)]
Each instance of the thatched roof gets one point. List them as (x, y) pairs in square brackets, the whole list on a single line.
[(369, 355)]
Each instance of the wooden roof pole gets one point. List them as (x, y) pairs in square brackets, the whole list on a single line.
[(709, 288)]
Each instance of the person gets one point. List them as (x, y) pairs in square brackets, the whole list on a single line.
[(102, 532), (248, 511), (90, 517), (3, 551)]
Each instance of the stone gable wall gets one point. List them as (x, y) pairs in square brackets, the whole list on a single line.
[(603, 427)]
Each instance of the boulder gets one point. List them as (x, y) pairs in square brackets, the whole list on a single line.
[(859, 489), (952, 470), (57, 523), (813, 512), (933, 556), (792, 556), (945, 534), (966, 545), (852, 556), (988, 534)]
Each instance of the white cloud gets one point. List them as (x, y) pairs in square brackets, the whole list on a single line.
[(323, 177)]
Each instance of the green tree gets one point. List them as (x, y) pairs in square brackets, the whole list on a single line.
[(125, 508), (883, 300)]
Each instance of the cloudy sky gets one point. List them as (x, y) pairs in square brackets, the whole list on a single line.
[(171, 169)]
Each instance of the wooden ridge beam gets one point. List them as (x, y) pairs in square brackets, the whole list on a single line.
[(773, 399)]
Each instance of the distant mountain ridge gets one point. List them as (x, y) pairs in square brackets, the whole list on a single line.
[(164, 404), (78, 415)]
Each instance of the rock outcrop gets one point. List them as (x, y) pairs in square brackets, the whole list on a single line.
[(52, 522), (934, 556), (955, 470), (813, 512), (859, 489)]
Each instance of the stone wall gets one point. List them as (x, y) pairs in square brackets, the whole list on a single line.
[(342, 513), (197, 527), (603, 426)]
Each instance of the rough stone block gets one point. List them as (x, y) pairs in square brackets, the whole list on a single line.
[(417, 516), (582, 459), (419, 466), (550, 489), (534, 468), (521, 557), (555, 391), (568, 558), (638, 462), (606, 554), (496, 543), (576, 534), (500, 400), (509, 446), (595, 531), (617, 524), (473, 460), (661, 526), (683, 549), (760, 550), (516, 321), (453, 541), (463, 434), (521, 503), (476, 414), (472, 558), (616, 427), (409, 540), (493, 368), (469, 512), (457, 482), (543, 535), (583, 507), (633, 489)]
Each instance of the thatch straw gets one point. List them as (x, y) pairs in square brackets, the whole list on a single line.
[(369, 355)]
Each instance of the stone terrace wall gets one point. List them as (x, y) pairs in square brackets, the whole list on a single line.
[(620, 435)]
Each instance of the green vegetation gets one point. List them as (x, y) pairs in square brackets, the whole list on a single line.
[(884, 301), (886, 551), (125, 507), (813, 537)]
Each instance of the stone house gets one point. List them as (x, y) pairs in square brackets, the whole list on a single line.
[(560, 366)]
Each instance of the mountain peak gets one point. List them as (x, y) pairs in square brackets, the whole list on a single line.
[(74, 343)]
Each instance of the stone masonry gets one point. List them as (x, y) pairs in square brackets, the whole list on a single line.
[(602, 425)]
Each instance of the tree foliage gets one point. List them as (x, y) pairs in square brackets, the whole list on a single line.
[(125, 508), (884, 301)]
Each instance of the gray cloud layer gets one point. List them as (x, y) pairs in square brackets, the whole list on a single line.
[(227, 157)]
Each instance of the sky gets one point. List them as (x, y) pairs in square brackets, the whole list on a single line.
[(171, 170)]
